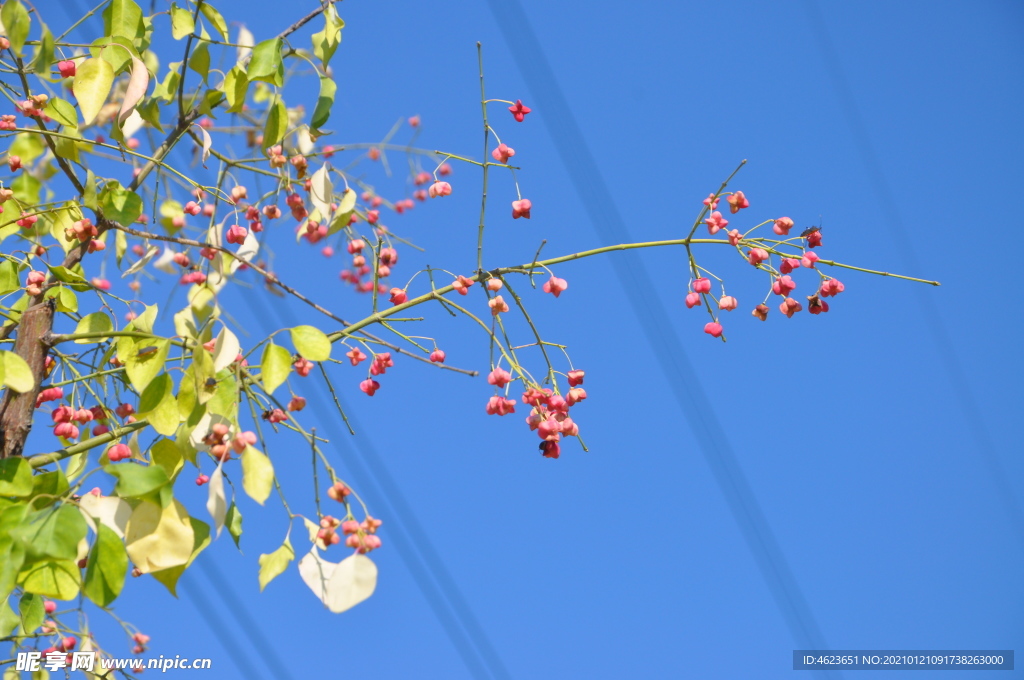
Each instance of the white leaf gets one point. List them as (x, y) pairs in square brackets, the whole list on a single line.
[(247, 251), (217, 502), (321, 190), (339, 586), (215, 237), (207, 143), (142, 262), (109, 510), (132, 124), (137, 86), (245, 42), (166, 263), (225, 350), (304, 141)]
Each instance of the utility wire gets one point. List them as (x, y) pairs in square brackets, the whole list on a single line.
[(253, 632), (217, 626), (963, 394), (224, 590), (595, 195), (407, 534)]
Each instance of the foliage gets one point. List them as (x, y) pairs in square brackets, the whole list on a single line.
[(140, 400)]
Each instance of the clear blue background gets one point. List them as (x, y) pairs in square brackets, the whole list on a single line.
[(626, 561)]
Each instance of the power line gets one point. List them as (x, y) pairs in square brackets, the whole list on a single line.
[(223, 589), (586, 176), (233, 603), (963, 394), (408, 535), (218, 627)]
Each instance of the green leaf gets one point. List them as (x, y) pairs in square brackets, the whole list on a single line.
[(149, 111), (144, 322), (12, 553), (20, 305), (8, 622), (123, 17), (324, 102), (182, 23), (48, 488), (273, 564), (118, 51), (199, 61), (15, 477), (89, 198), (68, 147), (135, 481), (65, 298), (58, 579), (97, 322), (311, 343), (107, 567), (158, 405), (145, 360), (257, 474), (72, 278), (16, 22), (93, 79), (32, 611), (167, 455), (53, 533), (225, 397), (235, 87), (326, 41), (233, 522), (43, 58), (8, 277), (76, 466), (119, 204), (266, 64), (277, 124), (17, 374), (275, 366), (215, 19), (210, 101), (62, 112), (27, 146), (26, 189), (168, 88)]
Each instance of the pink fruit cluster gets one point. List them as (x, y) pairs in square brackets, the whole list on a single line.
[(549, 412), (359, 535), (222, 444), (782, 283)]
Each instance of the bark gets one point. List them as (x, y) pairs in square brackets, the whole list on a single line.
[(17, 409)]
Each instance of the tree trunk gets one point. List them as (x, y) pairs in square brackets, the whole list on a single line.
[(17, 409)]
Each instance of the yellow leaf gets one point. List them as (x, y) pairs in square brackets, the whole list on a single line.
[(93, 79), (159, 538), (257, 474), (17, 374)]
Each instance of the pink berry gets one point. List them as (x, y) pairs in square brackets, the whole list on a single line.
[(713, 328), (519, 111), (521, 208)]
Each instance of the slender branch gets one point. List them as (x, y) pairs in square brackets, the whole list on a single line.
[(306, 19), (86, 445)]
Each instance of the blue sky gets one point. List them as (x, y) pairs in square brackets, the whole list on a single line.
[(876, 440)]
